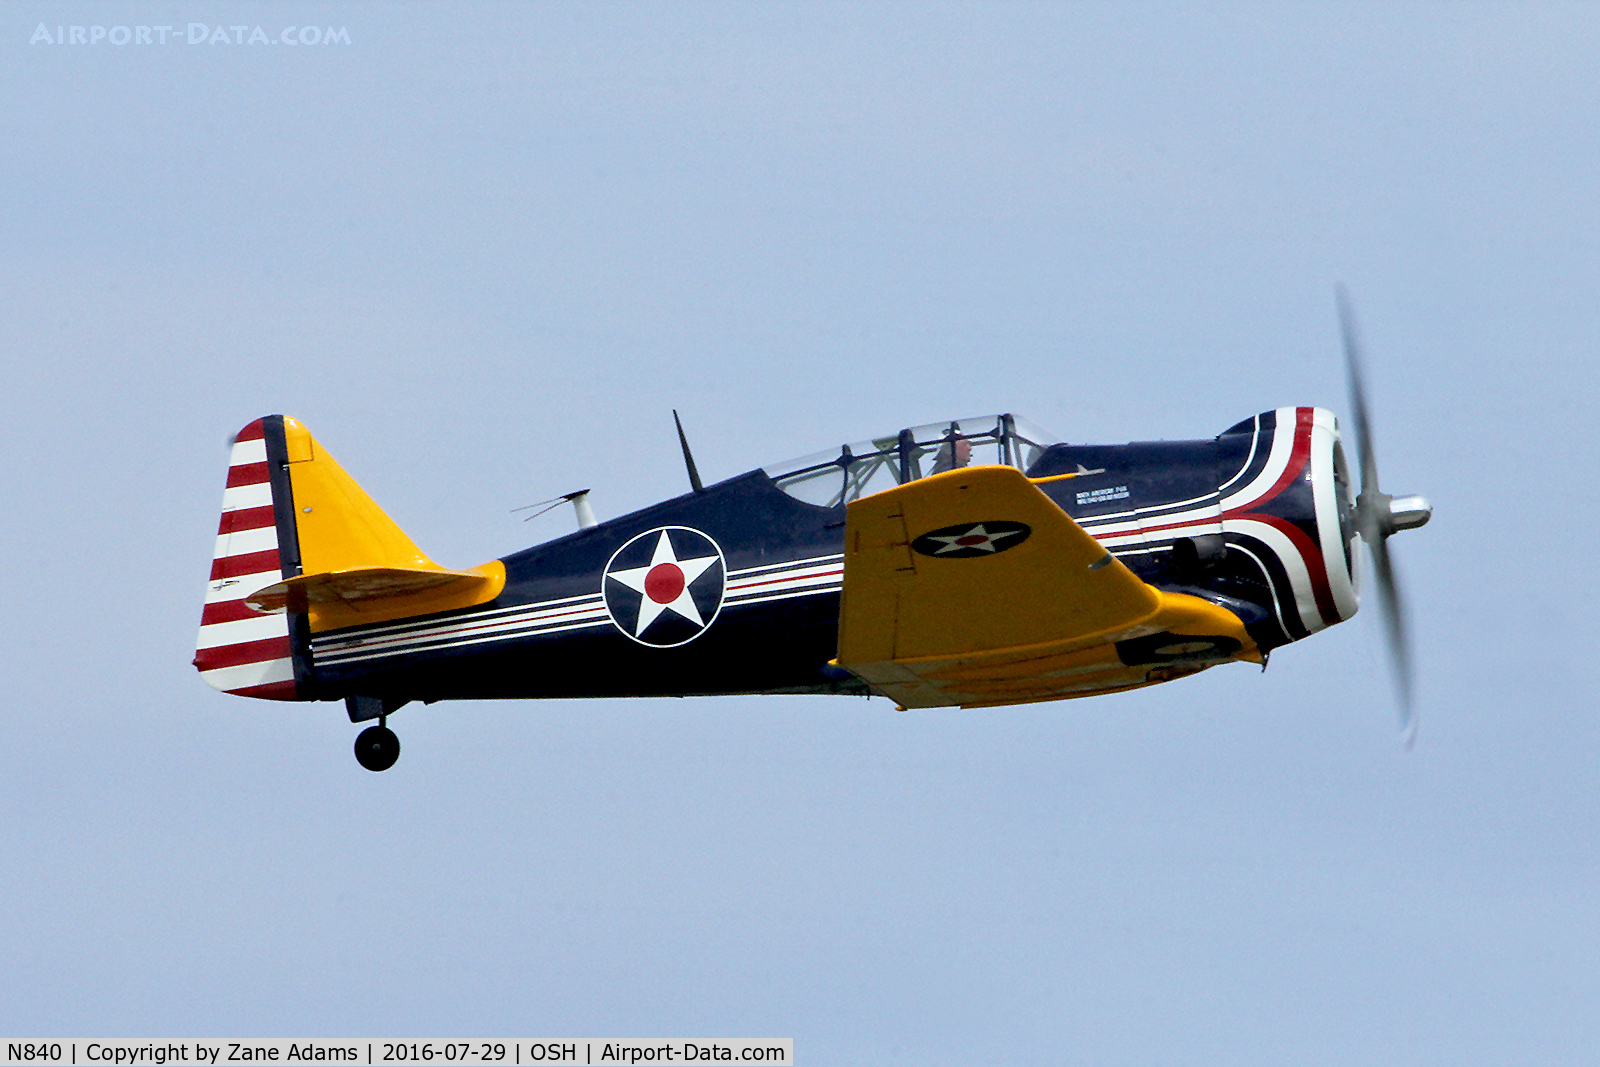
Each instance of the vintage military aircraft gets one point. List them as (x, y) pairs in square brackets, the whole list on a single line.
[(975, 562)]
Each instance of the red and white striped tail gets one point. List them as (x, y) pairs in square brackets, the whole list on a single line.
[(241, 650)]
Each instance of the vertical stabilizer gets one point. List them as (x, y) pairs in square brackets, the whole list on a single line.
[(241, 650)]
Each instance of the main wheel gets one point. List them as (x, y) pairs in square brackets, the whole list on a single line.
[(377, 748)]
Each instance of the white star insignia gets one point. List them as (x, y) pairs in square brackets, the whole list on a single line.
[(663, 584), (975, 538)]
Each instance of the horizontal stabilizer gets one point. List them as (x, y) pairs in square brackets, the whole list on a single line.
[(303, 550), (409, 589)]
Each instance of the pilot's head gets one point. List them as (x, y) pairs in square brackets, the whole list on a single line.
[(952, 454)]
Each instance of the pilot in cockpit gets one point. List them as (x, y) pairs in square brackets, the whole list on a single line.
[(955, 452)]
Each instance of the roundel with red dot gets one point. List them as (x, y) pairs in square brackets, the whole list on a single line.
[(665, 586), (972, 540)]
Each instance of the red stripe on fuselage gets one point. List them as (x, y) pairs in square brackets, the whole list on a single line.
[(1299, 455), (736, 587), (1311, 555)]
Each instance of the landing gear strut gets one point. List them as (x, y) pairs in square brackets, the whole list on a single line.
[(377, 748)]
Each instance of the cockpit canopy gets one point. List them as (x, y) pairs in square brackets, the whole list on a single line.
[(840, 475)]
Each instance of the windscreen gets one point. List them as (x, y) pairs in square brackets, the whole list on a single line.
[(839, 475)]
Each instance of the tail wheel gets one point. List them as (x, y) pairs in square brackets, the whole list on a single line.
[(377, 748)]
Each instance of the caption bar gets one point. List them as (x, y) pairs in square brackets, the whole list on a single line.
[(372, 1053)]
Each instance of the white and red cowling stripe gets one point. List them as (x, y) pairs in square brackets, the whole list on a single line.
[(241, 650), (1322, 591), (1303, 443)]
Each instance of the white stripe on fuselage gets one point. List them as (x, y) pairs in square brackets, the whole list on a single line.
[(1255, 442), (1305, 600), (751, 585), (1277, 462)]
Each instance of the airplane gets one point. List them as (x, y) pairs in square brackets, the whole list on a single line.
[(973, 562)]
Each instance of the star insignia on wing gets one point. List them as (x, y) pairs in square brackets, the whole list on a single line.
[(975, 539)]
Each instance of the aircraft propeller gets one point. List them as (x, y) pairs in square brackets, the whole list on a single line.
[(1378, 516)]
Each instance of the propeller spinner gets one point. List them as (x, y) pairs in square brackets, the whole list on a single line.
[(1378, 516)]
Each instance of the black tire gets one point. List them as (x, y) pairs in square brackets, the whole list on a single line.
[(377, 748)]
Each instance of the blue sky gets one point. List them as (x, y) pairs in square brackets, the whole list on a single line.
[(483, 250)]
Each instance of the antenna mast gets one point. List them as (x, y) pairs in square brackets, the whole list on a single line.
[(688, 458)]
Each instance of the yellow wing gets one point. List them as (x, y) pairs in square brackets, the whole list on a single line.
[(974, 588)]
